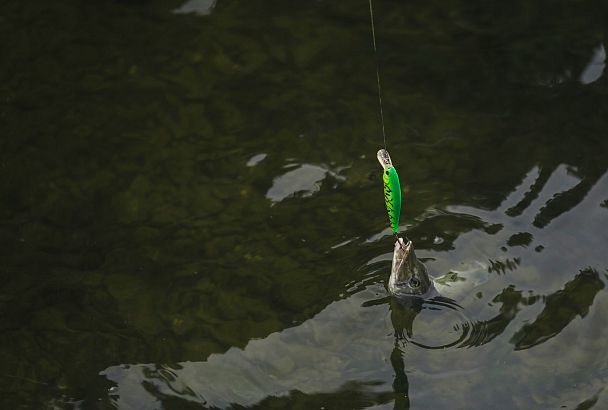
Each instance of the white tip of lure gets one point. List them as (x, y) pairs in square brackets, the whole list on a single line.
[(384, 158)]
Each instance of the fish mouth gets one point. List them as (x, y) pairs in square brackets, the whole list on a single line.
[(401, 253), (406, 246), (408, 274)]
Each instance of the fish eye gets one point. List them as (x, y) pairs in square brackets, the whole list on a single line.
[(386, 172), (414, 282)]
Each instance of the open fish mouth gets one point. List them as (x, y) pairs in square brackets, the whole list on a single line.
[(401, 253), (408, 274)]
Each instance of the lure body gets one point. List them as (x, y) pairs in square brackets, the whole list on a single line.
[(392, 190)]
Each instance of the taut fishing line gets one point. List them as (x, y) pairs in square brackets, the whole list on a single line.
[(390, 179), (371, 17)]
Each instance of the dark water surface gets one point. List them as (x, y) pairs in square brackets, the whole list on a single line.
[(192, 211)]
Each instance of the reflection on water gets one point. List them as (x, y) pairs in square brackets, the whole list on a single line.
[(360, 338), (200, 7), (350, 341), (256, 159), (560, 309), (193, 212), (305, 179), (595, 68), (368, 342), (343, 343)]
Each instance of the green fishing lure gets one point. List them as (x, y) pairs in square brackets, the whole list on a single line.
[(392, 189)]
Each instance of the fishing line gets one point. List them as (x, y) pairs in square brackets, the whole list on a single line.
[(390, 178), (371, 16)]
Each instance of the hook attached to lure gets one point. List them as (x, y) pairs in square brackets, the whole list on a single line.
[(392, 190)]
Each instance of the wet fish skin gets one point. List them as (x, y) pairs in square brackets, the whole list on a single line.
[(408, 275)]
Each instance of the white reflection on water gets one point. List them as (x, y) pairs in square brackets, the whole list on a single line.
[(594, 70), (343, 342), (200, 7), (256, 159), (352, 340), (304, 180)]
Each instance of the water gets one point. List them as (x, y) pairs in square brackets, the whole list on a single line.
[(192, 211)]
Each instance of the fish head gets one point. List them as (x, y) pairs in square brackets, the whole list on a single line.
[(408, 275)]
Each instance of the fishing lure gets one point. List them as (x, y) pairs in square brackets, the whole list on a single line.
[(392, 189)]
